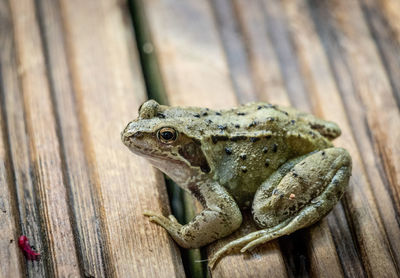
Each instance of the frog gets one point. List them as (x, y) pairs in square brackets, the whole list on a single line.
[(276, 161)]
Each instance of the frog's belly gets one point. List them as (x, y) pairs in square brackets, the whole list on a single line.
[(243, 189), (243, 198)]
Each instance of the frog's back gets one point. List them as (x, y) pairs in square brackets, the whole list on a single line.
[(248, 143)]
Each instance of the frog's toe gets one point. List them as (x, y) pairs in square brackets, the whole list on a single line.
[(263, 239), (236, 244), (249, 241), (243, 241), (159, 219), (172, 218), (149, 213), (167, 223)]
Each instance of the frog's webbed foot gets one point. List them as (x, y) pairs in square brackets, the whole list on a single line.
[(243, 242)]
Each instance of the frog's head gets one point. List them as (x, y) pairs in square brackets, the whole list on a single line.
[(169, 138)]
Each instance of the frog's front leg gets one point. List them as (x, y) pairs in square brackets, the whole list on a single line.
[(220, 217), (297, 195)]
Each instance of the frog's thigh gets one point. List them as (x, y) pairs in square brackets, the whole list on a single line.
[(304, 189), (298, 194)]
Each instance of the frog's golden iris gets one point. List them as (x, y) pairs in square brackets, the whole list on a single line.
[(167, 135)]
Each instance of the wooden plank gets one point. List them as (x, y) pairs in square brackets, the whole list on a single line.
[(108, 90), (234, 51), (283, 48), (324, 261), (373, 88), (383, 19), (49, 185), (391, 9), (188, 67), (84, 200), (11, 260), (14, 117), (195, 72), (264, 64), (360, 198), (346, 246)]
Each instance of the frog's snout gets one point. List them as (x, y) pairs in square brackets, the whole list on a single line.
[(135, 136), (129, 132)]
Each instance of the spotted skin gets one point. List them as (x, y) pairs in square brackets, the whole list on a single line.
[(277, 160)]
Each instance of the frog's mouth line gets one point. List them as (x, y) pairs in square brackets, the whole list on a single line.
[(151, 153), (145, 152), (180, 158), (174, 166)]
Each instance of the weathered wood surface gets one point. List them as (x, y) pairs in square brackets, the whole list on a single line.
[(71, 78), (70, 82)]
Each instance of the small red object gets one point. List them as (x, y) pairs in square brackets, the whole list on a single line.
[(29, 253)]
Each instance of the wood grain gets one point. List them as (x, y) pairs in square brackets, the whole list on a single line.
[(11, 259), (373, 86), (49, 184), (184, 65), (235, 52), (382, 19), (264, 63), (83, 198), (40, 96), (28, 218), (108, 90)]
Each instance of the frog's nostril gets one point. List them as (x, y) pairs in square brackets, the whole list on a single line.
[(137, 134), (129, 136)]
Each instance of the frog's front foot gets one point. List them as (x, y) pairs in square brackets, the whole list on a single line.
[(221, 217), (298, 194), (170, 223)]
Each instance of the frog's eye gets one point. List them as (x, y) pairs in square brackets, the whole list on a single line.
[(167, 135)]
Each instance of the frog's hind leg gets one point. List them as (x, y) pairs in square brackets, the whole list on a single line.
[(297, 195)]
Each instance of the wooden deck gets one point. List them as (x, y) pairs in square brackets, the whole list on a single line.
[(73, 73)]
